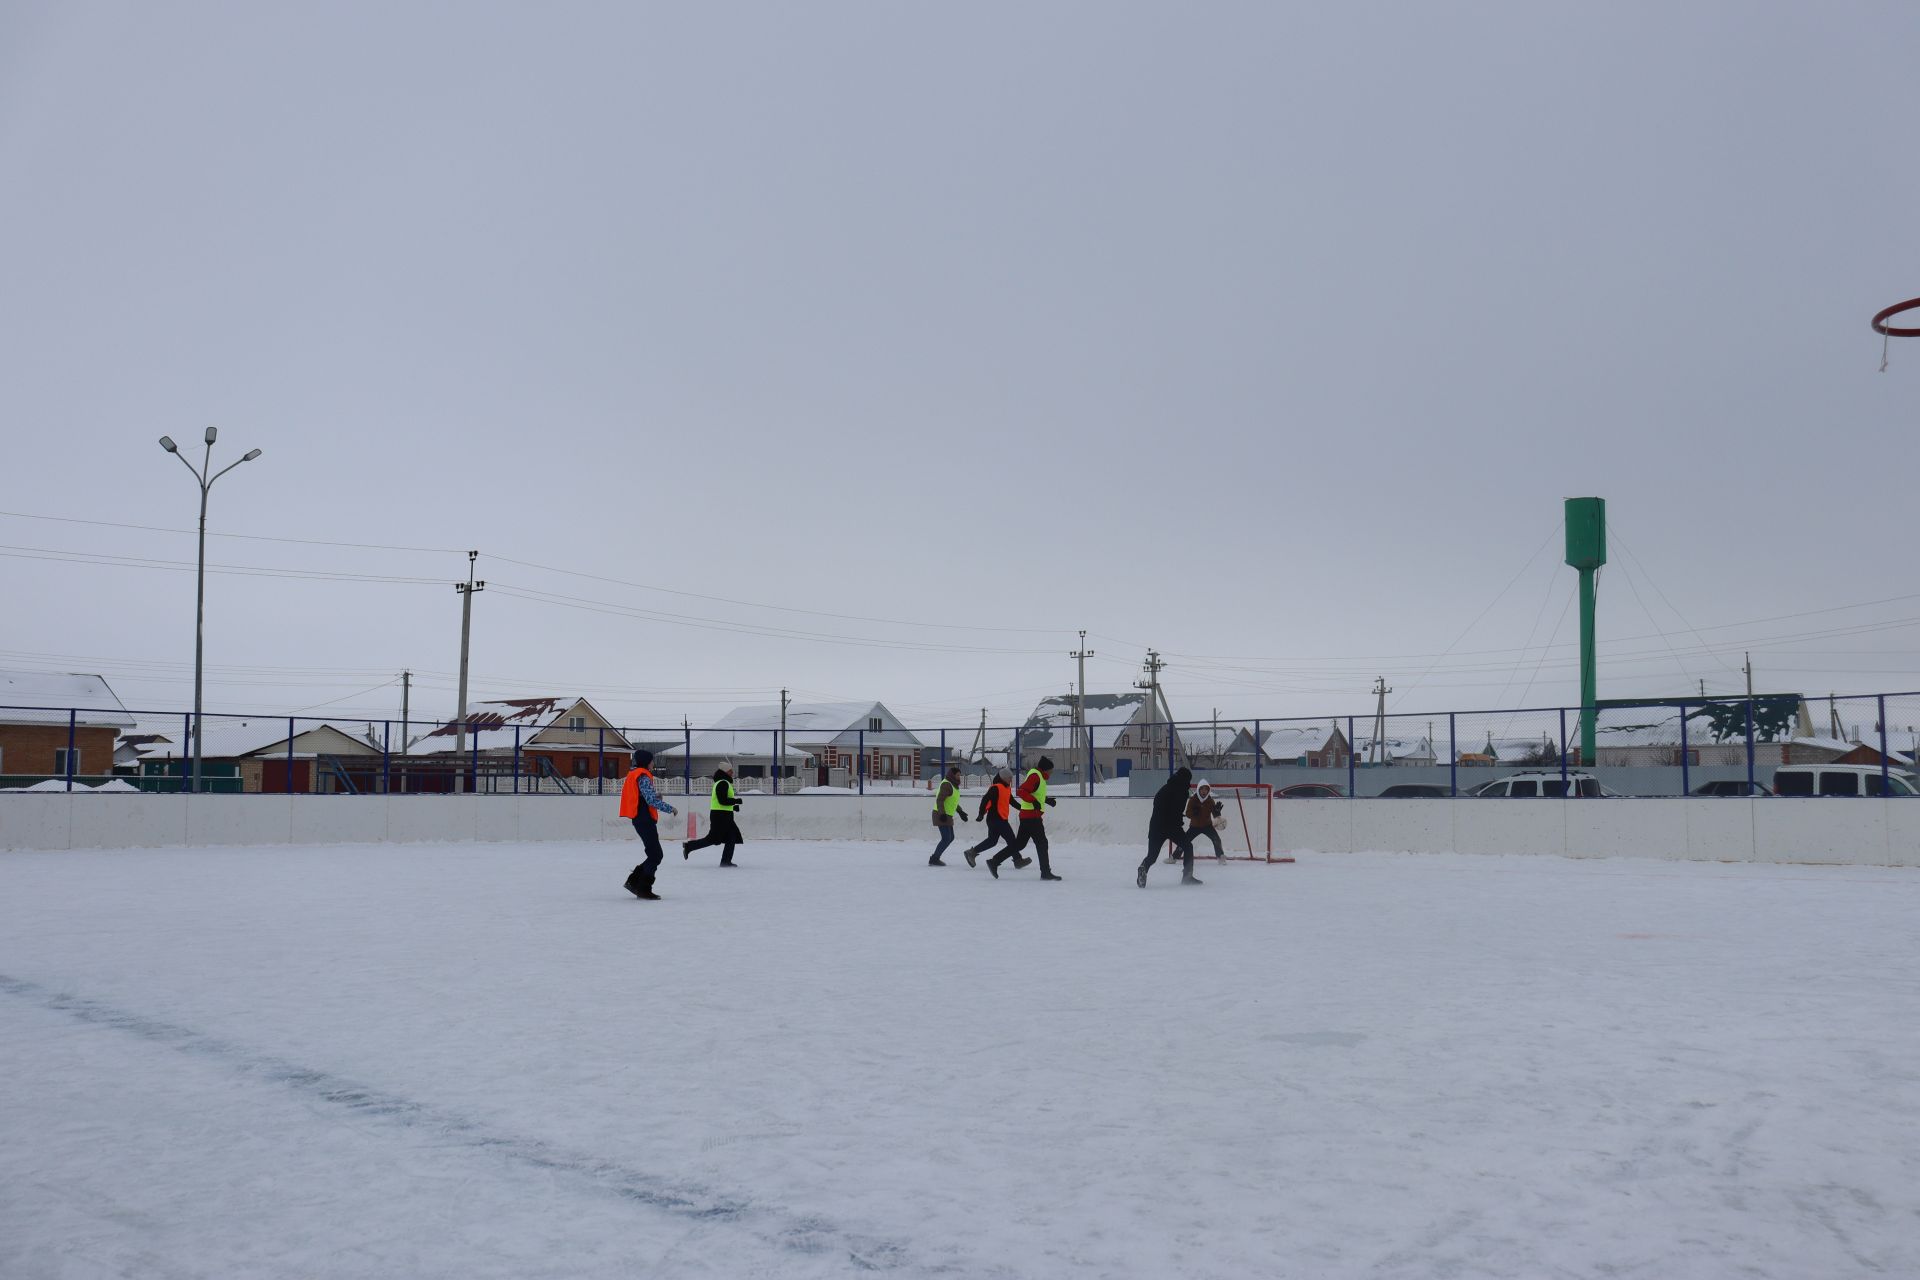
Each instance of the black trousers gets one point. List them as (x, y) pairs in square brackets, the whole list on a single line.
[(998, 829), (1211, 834), (1033, 831), (722, 829), (1179, 842), (649, 832)]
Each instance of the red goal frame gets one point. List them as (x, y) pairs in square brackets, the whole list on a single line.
[(1250, 804)]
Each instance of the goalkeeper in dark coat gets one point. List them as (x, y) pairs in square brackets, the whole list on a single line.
[(1166, 824), (722, 828)]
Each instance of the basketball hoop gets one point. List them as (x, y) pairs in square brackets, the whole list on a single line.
[(1886, 331)]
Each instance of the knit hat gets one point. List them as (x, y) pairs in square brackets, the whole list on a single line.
[(1046, 763), (725, 766), (642, 758)]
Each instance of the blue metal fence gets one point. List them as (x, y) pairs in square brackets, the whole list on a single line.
[(1661, 747)]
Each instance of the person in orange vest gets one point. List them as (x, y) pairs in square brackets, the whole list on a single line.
[(639, 801), (994, 808), (1033, 802)]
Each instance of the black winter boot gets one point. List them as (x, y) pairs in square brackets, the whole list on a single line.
[(633, 883)]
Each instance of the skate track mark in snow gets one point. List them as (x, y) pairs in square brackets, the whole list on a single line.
[(808, 1234)]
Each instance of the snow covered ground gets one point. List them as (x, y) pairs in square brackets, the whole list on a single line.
[(488, 1061)]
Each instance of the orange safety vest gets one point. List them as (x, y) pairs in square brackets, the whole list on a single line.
[(630, 795), (1000, 799)]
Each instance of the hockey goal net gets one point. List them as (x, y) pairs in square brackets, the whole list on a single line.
[(1244, 821)]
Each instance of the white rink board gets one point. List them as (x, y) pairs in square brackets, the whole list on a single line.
[(1861, 832)]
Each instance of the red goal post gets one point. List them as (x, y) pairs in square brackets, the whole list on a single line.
[(1245, 822)]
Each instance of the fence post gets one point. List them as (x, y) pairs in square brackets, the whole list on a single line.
[(1017, 754), (73, 731), (862, 773), (1353, 766), (516, 759), (943, 753), (773, 770), (1563, 753), (1886, 784), (186, 752), (1749, 746), (474, 771), (600, 764), (289, 758), (1258, 751), (1170, 764), (1453, 757), (1686, 770), (386, 757), (1091, 791), (686, 759)]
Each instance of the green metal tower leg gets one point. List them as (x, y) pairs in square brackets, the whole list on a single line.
[(1587, 551)]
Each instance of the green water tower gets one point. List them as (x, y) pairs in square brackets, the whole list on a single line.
[(1586, 552)]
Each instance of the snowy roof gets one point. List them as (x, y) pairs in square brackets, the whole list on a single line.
[(229, 737), (740, 744), (45, 697), (1287, 741), (1108, 716), (493, 726), (820, 722)]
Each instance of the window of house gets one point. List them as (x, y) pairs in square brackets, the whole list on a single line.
[(60, 761), (580, 767), (577, 723), (873, 724)]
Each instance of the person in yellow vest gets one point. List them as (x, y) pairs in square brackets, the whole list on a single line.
[(994, 808), (640, 802), (946, 807), (1033, 802), (722, 828)]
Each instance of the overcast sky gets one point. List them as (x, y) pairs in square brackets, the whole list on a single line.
[(1270, 335)]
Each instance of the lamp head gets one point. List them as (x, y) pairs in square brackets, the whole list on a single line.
[(250, 455), (166, 442), (213, 433)]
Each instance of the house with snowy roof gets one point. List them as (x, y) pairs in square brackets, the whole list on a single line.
[(1122, 730), (1308, 744), (555, 737), (256, 754), (1649, 734), (834, 734), (55, 723), (750, 753)]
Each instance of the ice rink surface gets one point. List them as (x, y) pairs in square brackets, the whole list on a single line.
[(488, 1061)]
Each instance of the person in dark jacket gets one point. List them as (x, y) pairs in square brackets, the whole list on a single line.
[(1169, 810), (722, 828), (994, 808), (946, 807)]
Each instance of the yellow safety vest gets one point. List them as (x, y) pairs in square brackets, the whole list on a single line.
[(1039, 793), (949, 804)]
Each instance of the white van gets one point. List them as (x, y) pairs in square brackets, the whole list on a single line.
[(1839, 780)]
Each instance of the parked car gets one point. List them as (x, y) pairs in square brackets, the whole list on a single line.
[(1541, 782), (1415, 791), (1731, 787), (1308, 791), (1840, 780)]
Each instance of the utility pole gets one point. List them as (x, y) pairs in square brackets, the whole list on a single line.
[(1081, 743), (406, 690), (1749, 671), (979, 748), (780, 747), (1155, 704), (1377, 749), (466, 590)]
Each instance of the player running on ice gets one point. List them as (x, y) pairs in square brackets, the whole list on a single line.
[(639, 801), (723, 828), (1033, 800), (946, 807), (994, 807), (1169, 807)]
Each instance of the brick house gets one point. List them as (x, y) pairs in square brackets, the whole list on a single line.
[(558, 738), (44, 716)]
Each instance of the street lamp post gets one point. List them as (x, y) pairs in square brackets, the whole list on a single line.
[(205, 480)]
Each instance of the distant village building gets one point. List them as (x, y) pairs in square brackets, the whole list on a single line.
[(833, 735), (253, 754), (45, 716), (559, 739), (1307, 744), (1122, 732)]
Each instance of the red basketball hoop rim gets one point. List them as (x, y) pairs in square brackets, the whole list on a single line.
[(1881, 326)]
